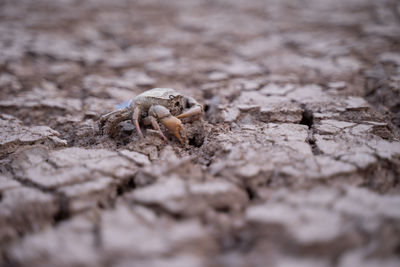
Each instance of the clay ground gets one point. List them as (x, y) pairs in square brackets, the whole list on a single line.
[(296, 161)]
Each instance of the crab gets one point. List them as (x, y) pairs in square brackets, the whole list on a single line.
[(158, 105)]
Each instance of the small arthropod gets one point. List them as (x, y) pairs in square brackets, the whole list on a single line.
[(163, 105)]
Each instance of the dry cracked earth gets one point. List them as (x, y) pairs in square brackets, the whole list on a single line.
[(295, 163)]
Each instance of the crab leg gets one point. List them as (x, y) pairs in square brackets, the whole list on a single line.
[(135, 119), (110, 120), (151, 120), (105, 117), (195, 109)]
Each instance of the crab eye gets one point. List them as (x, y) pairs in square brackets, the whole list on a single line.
[(171, 97), (176, 104)]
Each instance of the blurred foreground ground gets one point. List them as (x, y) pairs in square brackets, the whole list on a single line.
[(296, 163)]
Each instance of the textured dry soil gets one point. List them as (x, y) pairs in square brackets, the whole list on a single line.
[(295, 163)]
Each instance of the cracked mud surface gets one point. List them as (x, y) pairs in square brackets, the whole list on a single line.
[(296, 162)]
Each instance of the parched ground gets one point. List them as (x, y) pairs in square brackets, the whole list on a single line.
[(296, 162)]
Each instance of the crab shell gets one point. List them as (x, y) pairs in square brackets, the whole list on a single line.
[(167, 97)]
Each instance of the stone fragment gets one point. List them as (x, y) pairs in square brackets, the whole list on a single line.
[(293, 136), (306, 224), (86, 177), (312, 67), (138, 55), (276, 89), (177, 196), (328, 167), (338, 124), (241, 68), (249, 170), (10, 81), (218, 194), (114, 87), (138, 78), (170, 67), (42, 98), (385, 149), (361, 129), (337, 85), (384, 30), (71, 243), (267, 109), (286, 131), (24, 210), (101, 160), (326, 129), (14, 135), (325, 115), (361, 257), (356, 103), (389, 57), (318, 167), (342, 144), (259, 47), (250, 85), (127, 234), (71, 165), (348, 64), (95, 107), (89, 194), (217, 76), (230, 114), (317, 219), (169, 165), (311, 93), (7, 183), (169, 194), (138, 158), (63, 48), (368, 205), (317, 196), (361, 160)]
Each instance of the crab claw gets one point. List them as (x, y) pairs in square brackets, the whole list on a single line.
[(191, 112), (194, 109), (175, 126)]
